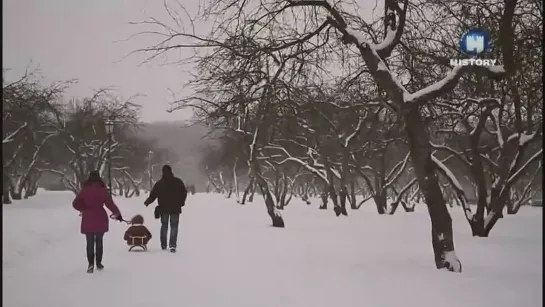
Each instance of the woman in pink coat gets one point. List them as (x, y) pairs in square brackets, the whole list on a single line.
[(90, 202)]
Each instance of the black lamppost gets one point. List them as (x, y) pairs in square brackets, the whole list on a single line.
[(150, 169), (110, 123)]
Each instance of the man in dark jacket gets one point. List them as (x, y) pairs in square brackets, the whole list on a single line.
[(171, 194)]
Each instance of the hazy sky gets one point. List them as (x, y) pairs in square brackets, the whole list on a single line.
[(77, 39)]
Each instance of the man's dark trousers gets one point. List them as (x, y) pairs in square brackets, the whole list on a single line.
[(174, 221)]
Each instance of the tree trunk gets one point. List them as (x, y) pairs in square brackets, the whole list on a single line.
[(277, 220), (16, 191), (32, 185), (305, 198), (481, 227), (324, 196), (119, 186), (252, 193), (512, 209), (229, 192), (281, 193), (33, 189), (287, 188), (235, 181), (6, 200), (16, 187), (428, 182), (343, 190), (393, 208), (343, 193), (27, 189), (16, 195), (337, 207), (380, 202), (306, 193), (5, 190), (352, 199), (246, 191), (274, 214)]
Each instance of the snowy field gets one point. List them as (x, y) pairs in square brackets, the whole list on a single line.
[(229, 256)]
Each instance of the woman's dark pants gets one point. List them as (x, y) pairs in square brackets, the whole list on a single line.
[(94, 248)]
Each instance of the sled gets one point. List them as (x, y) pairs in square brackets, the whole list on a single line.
[(137, 242)]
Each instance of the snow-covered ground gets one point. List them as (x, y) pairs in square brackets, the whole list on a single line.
[(228, 256)]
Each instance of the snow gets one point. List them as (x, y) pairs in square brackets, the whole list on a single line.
[(228, 255), (451, 258)]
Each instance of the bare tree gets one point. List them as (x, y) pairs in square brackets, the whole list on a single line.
[(29, 112), (83, 141), (492, 127)]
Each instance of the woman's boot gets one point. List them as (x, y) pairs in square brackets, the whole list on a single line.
[(91, 260)]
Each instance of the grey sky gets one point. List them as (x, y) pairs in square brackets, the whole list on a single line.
[(76, 39), (79, 39)]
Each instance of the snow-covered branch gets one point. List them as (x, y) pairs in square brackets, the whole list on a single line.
[(455, 184), (455, 153), (398, 169), (320, 173), (516, 174), (404, 190), (353, 134), (10, 137), (527, 192)]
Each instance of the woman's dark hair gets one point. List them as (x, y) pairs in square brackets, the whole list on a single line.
[(94, 176), (137, 219)]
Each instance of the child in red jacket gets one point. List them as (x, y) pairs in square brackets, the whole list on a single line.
[(137, 234)]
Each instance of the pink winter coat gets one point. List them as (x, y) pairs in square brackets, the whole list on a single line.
[(90, 202)]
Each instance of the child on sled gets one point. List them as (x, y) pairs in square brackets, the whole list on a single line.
[(137, 235)]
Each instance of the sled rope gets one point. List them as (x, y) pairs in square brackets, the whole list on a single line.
[(122, 220)]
